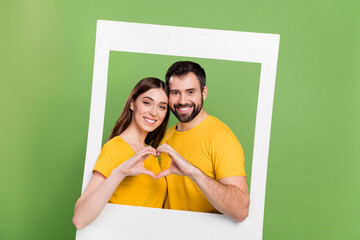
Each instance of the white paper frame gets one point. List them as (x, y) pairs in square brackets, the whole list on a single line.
[(130, 222)]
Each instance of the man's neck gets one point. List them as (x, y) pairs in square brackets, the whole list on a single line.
[(182, 127)]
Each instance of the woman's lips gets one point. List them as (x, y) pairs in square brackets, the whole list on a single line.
[(150, 120)]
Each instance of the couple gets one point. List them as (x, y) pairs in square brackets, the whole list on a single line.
[(200, 156)]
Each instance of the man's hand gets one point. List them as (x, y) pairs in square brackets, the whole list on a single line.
[(135, 165), (178, 165), (228, 195)]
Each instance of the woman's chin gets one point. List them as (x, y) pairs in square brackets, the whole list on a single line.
[(150, 128)]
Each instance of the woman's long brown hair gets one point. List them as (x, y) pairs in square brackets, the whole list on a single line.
[(153, 138)]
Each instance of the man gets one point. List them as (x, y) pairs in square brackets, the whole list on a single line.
[(201, 157)]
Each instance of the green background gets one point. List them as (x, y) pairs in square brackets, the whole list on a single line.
[(46, 63), (231, 97)]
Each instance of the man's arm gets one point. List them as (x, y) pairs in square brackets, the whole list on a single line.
[(229, 195)]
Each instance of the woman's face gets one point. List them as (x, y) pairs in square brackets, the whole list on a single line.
[(149, 109)]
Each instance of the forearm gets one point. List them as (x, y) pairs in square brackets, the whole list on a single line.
[(227, 199), (90, 205)]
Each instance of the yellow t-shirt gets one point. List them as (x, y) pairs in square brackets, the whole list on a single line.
[(140, 190), (212, 147)]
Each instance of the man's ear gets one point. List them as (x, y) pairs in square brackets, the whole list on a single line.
[(204, 92), (132, 105)]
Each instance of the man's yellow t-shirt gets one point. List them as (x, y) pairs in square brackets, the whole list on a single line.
[(212, 147), (140, 190)]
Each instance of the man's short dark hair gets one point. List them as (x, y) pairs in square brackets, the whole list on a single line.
[(182, 68)]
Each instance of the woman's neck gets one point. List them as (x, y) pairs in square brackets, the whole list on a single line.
[(134, 136)]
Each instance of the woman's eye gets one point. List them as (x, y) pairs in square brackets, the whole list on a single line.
[(146, 103), (163, 108)]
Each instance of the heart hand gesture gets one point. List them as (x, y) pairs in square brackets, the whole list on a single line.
[(135, 165), (179, 165)]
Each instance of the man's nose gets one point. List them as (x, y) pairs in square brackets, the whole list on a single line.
[(182, 99)]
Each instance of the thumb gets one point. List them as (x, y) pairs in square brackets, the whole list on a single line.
[(163, 173), (150, 173)]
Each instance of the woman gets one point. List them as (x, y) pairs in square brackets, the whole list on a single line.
[(125, 172)]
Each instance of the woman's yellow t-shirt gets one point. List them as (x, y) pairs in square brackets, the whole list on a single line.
[(141, 190)]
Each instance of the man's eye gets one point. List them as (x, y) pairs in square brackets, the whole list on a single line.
[(174, 93), (190, 92)]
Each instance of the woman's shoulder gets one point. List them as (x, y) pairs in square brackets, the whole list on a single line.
[(113, 153), (117, 145)]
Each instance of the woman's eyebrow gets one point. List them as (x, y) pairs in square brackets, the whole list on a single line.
[(148, 98), (153, 100)]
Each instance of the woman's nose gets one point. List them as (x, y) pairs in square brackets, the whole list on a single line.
[(153, 111)]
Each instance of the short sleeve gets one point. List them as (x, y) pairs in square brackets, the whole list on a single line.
[(111, 156), (228, 156)]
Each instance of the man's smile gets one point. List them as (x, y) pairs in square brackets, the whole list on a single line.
[(184, 109)]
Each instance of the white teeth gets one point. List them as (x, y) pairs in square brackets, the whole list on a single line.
[(184, 109), (149, 120)]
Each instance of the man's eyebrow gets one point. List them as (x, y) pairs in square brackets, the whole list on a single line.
[(189, 89)]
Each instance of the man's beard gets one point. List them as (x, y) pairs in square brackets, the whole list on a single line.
[(184, 118)]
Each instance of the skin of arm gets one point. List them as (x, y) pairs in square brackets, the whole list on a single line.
[(100, 189), (228, 195)]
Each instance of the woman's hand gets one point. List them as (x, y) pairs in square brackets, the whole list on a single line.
[(100, 189), (135, 165)]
